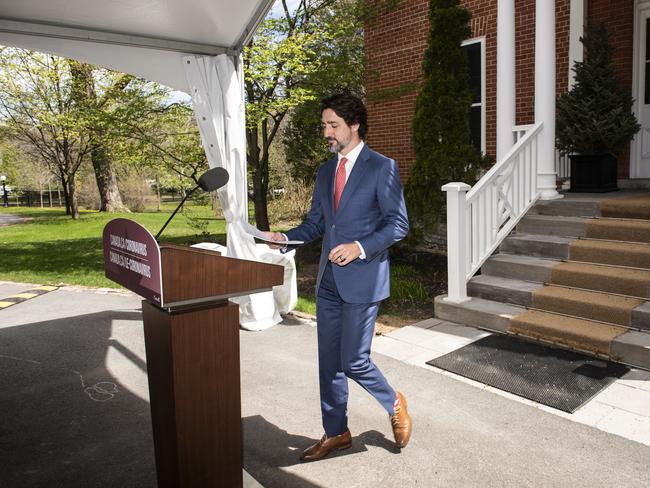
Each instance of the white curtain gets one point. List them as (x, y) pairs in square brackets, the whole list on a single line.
[(216, 88)]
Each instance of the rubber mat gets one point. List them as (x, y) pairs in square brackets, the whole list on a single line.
[(560, 379)]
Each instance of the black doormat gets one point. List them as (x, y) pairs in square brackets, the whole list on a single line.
[(560, 379)]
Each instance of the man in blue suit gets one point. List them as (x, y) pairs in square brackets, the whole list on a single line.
[(358, 208)]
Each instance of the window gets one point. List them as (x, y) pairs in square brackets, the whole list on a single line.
[(474, 50)]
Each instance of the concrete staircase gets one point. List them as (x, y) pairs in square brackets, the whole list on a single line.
[(570, 277)]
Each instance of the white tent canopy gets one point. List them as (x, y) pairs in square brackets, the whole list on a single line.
[(189, 45), (147, 38)]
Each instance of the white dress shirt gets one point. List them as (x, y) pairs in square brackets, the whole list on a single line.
[(351, 159)]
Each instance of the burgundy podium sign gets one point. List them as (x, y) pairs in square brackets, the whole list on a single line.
[(132, 258)]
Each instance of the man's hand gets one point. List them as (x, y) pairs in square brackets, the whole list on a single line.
[(274, 236), (344, 253)]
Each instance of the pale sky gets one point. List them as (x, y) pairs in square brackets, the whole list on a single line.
[(277, 10)]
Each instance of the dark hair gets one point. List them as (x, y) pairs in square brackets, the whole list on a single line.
[(349, 108)]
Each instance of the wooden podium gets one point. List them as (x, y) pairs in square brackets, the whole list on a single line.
[(192, 347)]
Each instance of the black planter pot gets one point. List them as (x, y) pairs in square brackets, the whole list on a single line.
[(593, 173)]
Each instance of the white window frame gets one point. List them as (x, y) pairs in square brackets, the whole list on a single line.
[(480, 40)]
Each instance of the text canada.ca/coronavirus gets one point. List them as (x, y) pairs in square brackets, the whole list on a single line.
[(135, 247)]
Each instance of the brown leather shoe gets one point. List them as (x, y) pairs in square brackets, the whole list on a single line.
[(326, 445), (401, 422)]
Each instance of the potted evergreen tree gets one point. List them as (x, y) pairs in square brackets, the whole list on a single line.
[(595, 118)]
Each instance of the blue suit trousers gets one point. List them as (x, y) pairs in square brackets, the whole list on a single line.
[(345, 332)]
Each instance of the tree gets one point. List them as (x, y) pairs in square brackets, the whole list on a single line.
[(37, 104), (90, 106), (277, 64), (113, 105), (10, 158), (166, 142), (341, 68), (66, 111), (595, 117), (441, 135)]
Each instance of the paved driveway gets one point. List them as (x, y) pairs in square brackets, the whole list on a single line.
[(8, 219), (75, 413)]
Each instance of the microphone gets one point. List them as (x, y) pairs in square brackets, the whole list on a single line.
[(211, 180)]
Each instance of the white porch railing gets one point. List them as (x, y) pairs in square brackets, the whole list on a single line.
[(480, 217), (562, 162)]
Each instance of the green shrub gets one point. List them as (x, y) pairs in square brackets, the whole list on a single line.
[(441, 133)]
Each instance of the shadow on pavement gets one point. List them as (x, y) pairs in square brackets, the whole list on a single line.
[(270, 448), (67, 421)]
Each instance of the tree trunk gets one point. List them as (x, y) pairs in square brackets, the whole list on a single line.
[(109, 194), (72, 197), (66, 195), (259, 199), (83, 93), (158, 198), (260, 182)]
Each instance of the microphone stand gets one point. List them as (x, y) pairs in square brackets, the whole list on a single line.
[(177, 209)]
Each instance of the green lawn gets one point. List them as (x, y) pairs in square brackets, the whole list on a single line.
[(51, 248)]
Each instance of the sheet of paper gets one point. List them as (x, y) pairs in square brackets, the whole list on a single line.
[(258, 234)]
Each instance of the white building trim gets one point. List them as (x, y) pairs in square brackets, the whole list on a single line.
[(577, 21), (545, 96), (481, 41), (506, 88)]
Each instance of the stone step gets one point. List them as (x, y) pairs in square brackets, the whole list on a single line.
[(595, 305), (617, 253), (580, 334), (484, 314), (629, 230), (568, 207), (586, 304), (627, 207), (518, 267), (641, 317), (633, 348), (553, 225), (609, 279), (504, 290), (628, 346), (541, 246)]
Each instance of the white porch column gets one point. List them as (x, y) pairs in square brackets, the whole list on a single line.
[(456, 241), (506, 90), (545, 96)]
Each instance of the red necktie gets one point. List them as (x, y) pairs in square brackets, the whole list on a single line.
[(340, 182)]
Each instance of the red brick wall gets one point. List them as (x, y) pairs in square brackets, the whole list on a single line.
[(618, 16), (395, 44), (525, 55)]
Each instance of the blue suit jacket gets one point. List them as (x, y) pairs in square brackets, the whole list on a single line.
[(371, 211)]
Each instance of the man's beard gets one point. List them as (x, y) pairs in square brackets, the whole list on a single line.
[(335, 146)]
